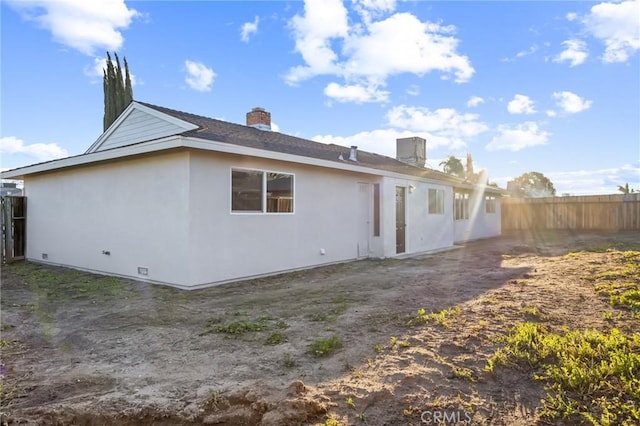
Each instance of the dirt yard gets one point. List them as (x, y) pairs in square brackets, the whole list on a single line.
[(334, 345)]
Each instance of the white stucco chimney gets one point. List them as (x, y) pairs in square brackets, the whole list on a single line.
[(259, 118), (353, 153), (412, 151)]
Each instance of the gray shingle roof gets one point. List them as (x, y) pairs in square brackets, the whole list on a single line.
[(237, 134)]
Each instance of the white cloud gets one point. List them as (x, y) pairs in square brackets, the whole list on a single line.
[(518, 137), (95, 70), (249, 28), (571, 16), (426, 47), (199, 76), (323, 20), (474, 101), (413, 90), (618, 26), (381, 141), (521, 104), (377, 5), (368, 50), (531, 50), (443, 127), (356, 93), (445, 121), (80, 24), (598, 181), (551, 113), (369, 9), (575, 52), (570, 102), (10, 145)]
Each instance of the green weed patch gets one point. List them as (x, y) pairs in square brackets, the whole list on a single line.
[(591, 377), (325, 346), (276, 338), (621, 283), (463, 373), (241, 327), (442, 317), (56, 283)]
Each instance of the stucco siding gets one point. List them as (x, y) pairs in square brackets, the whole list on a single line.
[(170, 213), (137, 127), (429, 231), (424, 231), (226, 245), (135, 209), (480, 223), (488, 224)]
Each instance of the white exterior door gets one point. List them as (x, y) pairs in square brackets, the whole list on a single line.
[(364, 219)]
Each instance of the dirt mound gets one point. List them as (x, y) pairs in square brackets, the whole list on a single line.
[(297, 404)]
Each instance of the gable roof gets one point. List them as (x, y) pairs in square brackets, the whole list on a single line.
[(238, 134), (192, 126), (125, 130)]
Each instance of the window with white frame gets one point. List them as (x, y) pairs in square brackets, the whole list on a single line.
[(436, 201), (460, 205), (490, 204), (261, 192)]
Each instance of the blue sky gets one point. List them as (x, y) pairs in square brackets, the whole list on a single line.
[(552, 87)]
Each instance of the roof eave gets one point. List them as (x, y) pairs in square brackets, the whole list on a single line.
[(346, 165), (180, 141), (94, 157)]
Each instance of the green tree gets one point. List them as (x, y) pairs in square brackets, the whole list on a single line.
[(625, 189), (531, 184), (453, 166), (118, 91)]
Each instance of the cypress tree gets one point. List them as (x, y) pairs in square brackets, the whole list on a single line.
[(110, 94), (119, 83), (105, 90), (118, 92)]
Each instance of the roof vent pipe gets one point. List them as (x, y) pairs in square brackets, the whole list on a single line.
[(353, 154)]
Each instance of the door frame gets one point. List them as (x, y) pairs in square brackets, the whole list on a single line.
[(364, 208), (401, 226)]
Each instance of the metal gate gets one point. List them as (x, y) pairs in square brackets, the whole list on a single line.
[(13, 217)]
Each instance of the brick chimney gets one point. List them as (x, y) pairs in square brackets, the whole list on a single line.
[(412, 151), (259, 118)]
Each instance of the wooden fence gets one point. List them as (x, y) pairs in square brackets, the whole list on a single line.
[(594, 212), (12, 227)]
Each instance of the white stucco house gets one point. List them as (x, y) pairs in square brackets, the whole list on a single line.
[(203, 201)]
